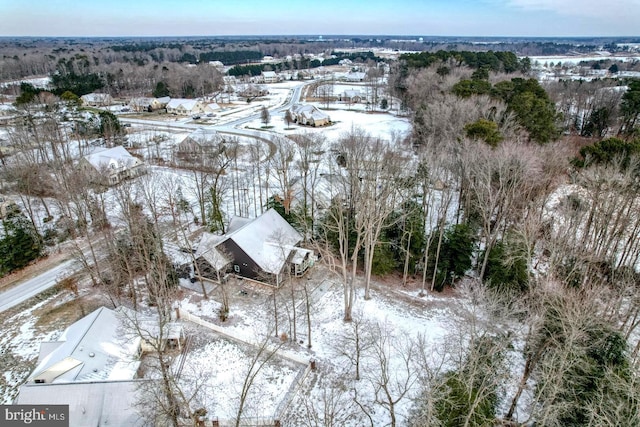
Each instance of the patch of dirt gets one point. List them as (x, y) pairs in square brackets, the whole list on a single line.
[(66, 313)]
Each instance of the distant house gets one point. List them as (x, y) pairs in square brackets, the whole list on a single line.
[(263, 249), (351, 96), (270, 77), (252, 91), (112, 166), (309, 115), (97, 99), (303, 75), (212, 106), (144, 104), (93, 368), (163, 101), (355, 76), (196, 144), (188, 107)]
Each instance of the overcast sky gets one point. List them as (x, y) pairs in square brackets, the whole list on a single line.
[(320, 17)]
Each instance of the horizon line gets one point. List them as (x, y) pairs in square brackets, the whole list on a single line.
[(320, 37)]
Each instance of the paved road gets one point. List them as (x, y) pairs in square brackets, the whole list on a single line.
[(35, 285), (229, 127)]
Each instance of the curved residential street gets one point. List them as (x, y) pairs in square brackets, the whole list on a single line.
[(33, 286)]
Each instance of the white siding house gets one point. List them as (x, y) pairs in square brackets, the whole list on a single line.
[(270, 77), (188, 107), (113, 165), (309, 115), (97, 99)]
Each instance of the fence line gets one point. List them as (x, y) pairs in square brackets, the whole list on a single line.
[(290, 356)]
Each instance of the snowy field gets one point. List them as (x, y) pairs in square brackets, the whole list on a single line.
[(220, 363), (376, 124), (576, 59)]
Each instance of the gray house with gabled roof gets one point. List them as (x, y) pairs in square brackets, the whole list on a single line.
[(264, 249)]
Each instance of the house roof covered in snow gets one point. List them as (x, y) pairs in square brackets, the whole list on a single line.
[(203, 136), (355, 77), (143, 100), (96, 97), (268, 240), (189, 104), (95, 347), (309, 112), (100, 403), (175, 102), (236, 223), (208, 249), (114, 158)]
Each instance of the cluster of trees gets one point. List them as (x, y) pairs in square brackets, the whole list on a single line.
[(232, 57), (28, 94), (20, 243), (74, 75), (82, 73), (506, 62), (588, 108), (525, 98), (302, 63), (482, 208), (496, 106)]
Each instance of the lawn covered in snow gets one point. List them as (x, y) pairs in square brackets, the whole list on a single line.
[(391, 322)]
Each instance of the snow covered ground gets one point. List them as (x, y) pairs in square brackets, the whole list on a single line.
[(20, 344), (391, 318), (224, 360), (576, 59)]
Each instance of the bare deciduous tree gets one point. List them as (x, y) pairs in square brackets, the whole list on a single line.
[(393, 372)]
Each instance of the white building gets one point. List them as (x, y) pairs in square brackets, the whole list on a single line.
[(97, 99), (309, 115), (188, 107), (270, 77), (93, 368), (113, 165)]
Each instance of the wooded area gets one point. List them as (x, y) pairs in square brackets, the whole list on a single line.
[(520, 193)]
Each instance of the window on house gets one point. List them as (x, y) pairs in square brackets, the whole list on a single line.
[(236, 268)]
